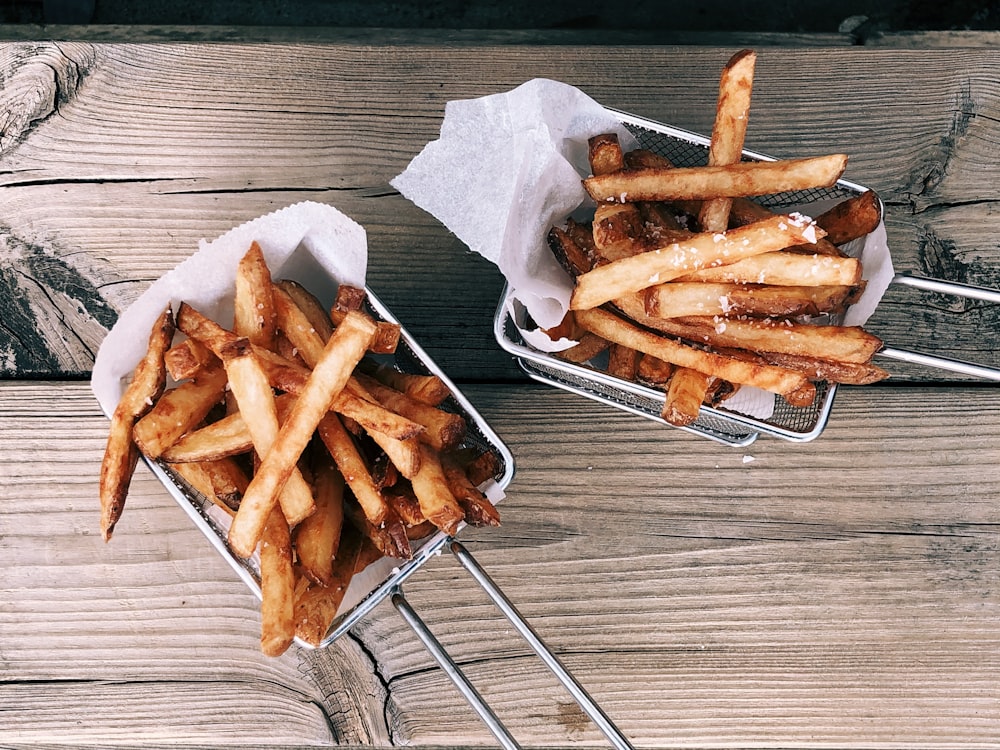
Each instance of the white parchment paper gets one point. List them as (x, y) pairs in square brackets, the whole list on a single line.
[(310, 242)]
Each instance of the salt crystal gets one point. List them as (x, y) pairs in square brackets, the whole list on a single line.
[(719, 237)]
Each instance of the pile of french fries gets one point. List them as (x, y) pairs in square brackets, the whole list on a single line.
[(688, 284), (324, 455)]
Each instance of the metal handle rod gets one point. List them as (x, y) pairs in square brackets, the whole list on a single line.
[(941, 363), (944, 363), (453, 671), (583, 699), (947, 287)]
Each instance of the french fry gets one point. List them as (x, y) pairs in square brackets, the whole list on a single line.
[(254, 315), (443, 429), (604, 153), (292, 321), (572, 256), (726, 146), (316, 605), (277, 584), (835, 371), (186, 358), (219, 480), (404, 454), (654, 371), (310, 306), (389, 537), (405, 504), (318, 536), (680, 299), (703, 250), (723, 181), (428, 389), (342, 352), (352, 466), (476, 507), (623, 362), (793, 386), (744, 211), (783, 269), (179, 410), (430, 485), (256, 402), (852, 218), (686, 392), (120, 454), (588, 346), (352, 298)]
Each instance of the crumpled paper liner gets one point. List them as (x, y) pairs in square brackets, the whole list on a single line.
[(509, 166)]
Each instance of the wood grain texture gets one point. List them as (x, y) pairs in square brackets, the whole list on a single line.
[(117, 158), (838, 593)]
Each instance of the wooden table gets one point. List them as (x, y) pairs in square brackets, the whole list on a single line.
[(838, 593)]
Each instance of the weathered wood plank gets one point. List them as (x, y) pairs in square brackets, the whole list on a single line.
[(841, 592), (115, 159)]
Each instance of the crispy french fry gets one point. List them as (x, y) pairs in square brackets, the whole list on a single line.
[(784, 269), (430, 485), (256, 402), (604, 152), (352, 466), (654, 371), (702, 250), (277, 584), (588, 346), (679, 299), (352, 298), (572, 256), (405, 504), (623, 362), (179, 410), (817, 368), (476, 507), (310, 306), (342, 352), (744, 211), (686, 392), (219, 480), (390, 537), (318, 536), (723, 181), (793, 386), (851, 218), (404, 454), (254, 315), (121, 454), (184, 359), (428, 389), (732, 113), (298, 328), (317, 605), (619, 231), (443, 429)]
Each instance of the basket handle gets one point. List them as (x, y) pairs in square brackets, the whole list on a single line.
[(465, 687), (956, 289)]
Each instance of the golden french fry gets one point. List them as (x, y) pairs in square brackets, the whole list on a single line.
[(179, 410), (254, 315), (686, 393), (342, 352), (310, 306), (183, 360), (654, 371), (619, 231), (428, 389), (219, 480), (444, 429), (390, 537), (120, 454), (732, 113), (744, 211), (277, 585), (317, 605), (723, 181), (405, 504), (784, 269), (680, 299), (572, 256), (430, 485), (298, 328), (851, 218), (835, 371), (703, 250), (318, 536), (256, 403), (478, 510), (793, 386), (604, 152), (352, 466), (352, 298), (588, 346), (623, 362), (404, 454), (229, 436)]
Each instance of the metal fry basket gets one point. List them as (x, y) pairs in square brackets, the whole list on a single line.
[(730, 427), (384, 578)]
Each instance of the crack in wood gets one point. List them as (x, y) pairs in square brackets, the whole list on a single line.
[(53, 319)]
